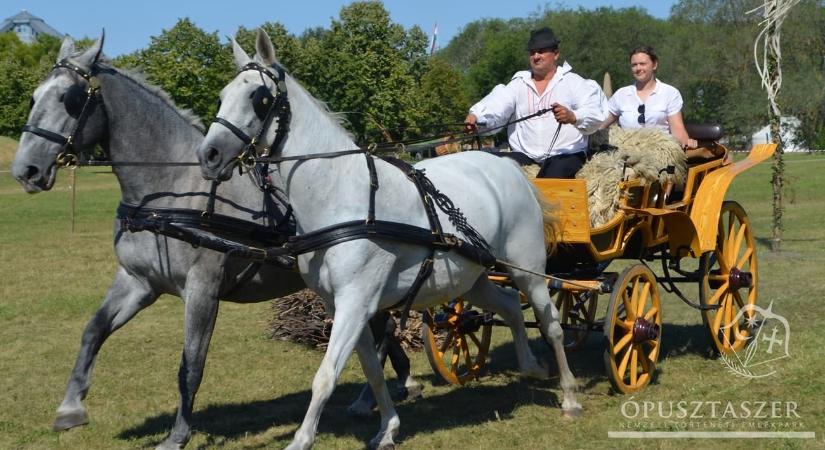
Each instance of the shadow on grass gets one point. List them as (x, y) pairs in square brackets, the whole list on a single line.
[(587, 362), (231, 421), (477, 403)]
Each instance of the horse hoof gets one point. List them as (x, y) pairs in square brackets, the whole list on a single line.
[(70, 419), (414, 391), (382, 446), (572, 412), (169, 446)]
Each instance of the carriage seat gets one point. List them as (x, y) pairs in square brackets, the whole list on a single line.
[(704, 131), (707, 136)]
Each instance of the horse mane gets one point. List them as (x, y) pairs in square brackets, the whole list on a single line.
[(339, 118), (139, 79)]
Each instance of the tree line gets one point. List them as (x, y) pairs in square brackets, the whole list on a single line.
[(379, 76)]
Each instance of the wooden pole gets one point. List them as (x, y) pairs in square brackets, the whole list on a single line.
[(778, 168), (73, 187)]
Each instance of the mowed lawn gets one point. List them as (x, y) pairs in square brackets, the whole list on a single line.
[(255, 390)]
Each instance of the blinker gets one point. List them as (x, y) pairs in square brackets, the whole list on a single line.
[(73, 99), (261, 101)]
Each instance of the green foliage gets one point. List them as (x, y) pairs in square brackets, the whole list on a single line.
[(22, 67), (705, 50), (187, 62)]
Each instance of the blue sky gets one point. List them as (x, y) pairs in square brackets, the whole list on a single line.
[(129, 25)]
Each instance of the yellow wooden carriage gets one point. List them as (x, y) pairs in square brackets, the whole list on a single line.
[(654, 221)]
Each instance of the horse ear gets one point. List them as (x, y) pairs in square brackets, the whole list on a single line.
[(264, 48), (92, 54), (241, 58), (66, 48)]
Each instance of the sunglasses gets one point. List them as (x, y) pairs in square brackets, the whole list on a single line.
[(641, 119)]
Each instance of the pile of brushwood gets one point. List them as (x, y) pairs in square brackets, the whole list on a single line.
[(301, 318)]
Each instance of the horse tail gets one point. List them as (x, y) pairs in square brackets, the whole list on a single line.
[(550, 219)]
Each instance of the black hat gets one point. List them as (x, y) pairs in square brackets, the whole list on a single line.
[(542, 38)]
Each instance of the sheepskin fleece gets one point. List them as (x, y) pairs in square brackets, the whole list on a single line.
[(643, 152)]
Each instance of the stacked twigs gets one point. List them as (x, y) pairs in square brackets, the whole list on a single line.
[(301, 318)]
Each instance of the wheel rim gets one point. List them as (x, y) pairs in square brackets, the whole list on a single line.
[(729, 279), (577, 312), (633, 330), (455, 342)]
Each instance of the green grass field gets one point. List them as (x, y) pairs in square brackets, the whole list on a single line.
[(255, 390)]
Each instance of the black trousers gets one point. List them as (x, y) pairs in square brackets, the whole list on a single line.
[(559, 166)]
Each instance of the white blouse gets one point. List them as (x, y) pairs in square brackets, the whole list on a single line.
[(663, 102)]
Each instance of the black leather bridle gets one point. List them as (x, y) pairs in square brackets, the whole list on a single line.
[(278, 105), (68, 156)]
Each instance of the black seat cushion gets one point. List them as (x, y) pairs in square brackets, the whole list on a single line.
[(704, 131)]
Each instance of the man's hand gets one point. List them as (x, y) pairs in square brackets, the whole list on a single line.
[(563, 114), (470, 124)]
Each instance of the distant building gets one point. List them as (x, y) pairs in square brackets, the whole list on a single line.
[(28, 27), (789, 128)]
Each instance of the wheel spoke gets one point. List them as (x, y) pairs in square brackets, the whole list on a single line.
[(467, 357), (454, 359), (642, 299), (715, 297), (447, 341), (653, 354), (622, 342), (634, 361), (629, 313), (625, 360), (738, 242), (745, 256), (652, 312), (625, 324), (738, 299), (474, 339)]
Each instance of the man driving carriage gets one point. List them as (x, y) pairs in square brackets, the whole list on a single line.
[(556, 140)]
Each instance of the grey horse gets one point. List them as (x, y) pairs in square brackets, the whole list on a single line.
[(134, 121)]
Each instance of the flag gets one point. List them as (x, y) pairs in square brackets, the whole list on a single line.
[(435, 36)]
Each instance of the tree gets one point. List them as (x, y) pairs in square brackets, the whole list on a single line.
[(187, 62), (367, 67), (22, 67)]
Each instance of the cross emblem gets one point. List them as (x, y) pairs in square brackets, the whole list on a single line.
[(772, 340)]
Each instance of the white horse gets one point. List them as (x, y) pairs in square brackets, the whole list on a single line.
[(359, 277), (135, 122)]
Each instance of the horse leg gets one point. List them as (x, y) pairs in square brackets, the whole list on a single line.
[(548, 317), (126, 297), (383, 327), (350, 320), (200, 313), (364, 404), (409, 388), (486, 295)]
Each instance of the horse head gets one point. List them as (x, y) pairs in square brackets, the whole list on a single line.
[(250, 114), (65, 118)]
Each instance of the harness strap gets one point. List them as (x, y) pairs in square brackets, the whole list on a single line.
[(210, 203), (140, 218), (235, 130), (46, 134), (373, 187)]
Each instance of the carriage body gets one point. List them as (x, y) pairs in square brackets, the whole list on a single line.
[(653, 221)]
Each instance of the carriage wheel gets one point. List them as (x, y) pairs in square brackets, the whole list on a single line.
[(577, 311), (633, 330), (456, 341), (729, 280)]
